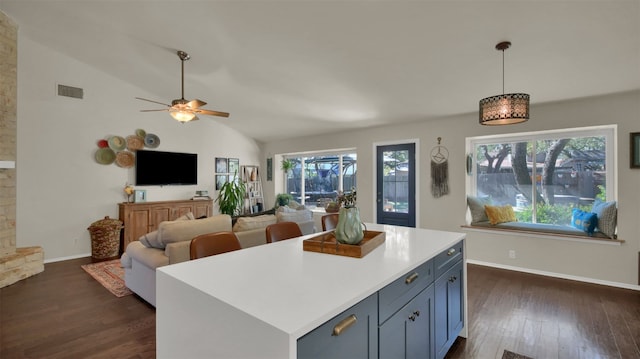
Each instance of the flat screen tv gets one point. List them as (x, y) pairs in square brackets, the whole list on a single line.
[(157, 168)]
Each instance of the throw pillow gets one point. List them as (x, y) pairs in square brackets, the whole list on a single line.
[(150, 240), (286, 209), (585, 221), (257, 222), (186, 217), (296, 216), (607, 217), (500, 214), (476, 207)]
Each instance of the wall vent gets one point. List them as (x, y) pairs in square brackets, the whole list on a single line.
[(69, 91)]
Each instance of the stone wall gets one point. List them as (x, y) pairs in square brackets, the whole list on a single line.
[(8, 95), (15, 263)]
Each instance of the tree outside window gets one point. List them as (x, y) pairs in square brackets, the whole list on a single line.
[(544, 175)]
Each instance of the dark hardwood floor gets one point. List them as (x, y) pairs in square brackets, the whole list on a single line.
[(64, 313), (547, 318)]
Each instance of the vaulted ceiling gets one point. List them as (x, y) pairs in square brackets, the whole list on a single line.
[(284, 68)]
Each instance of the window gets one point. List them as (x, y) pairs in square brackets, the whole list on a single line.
[(544, 175), (317, 178)]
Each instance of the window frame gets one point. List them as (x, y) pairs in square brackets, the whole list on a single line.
[(340, 153), (607, 131)]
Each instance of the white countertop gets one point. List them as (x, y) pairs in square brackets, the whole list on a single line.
[(295, 291)]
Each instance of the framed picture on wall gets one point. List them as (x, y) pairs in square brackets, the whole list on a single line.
[(270, 169), (635, 150), (234, 166), (221, 165), (220, 180)]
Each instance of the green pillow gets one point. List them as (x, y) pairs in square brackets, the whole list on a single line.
[(476, 207)]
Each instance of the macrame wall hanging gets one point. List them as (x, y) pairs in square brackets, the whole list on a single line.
[(439, 170)]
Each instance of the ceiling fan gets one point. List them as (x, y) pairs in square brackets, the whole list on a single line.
[(181, 109)]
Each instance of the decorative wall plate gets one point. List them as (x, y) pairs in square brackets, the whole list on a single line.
[(117, 143), (125, 159), (151, 140), (135, 143), (105, 156)]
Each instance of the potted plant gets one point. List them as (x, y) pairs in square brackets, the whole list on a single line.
[(282, 199), (231, 197), (287, 165)]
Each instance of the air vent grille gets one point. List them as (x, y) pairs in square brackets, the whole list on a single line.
[(70, 91)]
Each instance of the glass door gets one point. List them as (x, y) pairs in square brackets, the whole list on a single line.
[(396, 184)]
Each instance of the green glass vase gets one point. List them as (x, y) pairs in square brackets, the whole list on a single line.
[(349, 229)]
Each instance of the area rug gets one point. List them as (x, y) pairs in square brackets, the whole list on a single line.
[(511, 355), (110, 274)]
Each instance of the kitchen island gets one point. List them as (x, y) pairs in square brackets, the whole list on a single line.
[(258, 302)]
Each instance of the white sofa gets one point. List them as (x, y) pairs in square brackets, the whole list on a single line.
[(170, 244)]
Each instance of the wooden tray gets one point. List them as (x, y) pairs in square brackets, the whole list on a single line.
[(327, 243)]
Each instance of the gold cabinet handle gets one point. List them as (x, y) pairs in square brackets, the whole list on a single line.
[(411, 278), (344, 325), (451, 251)]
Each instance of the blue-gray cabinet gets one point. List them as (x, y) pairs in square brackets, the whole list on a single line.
[(449, 307), (409, 333), (419, 315), (352, 334)]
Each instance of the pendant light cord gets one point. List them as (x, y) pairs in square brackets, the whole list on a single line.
[(182, 76), (503, 71)]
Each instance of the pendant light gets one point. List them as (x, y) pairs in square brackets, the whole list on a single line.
[(505, 109)]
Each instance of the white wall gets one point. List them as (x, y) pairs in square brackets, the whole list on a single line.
[(596, 261), (61, 189)]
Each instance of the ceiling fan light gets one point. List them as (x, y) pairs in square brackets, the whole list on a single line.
[(182, 116)]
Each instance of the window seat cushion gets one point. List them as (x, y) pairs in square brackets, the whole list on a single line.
[(541, 228)]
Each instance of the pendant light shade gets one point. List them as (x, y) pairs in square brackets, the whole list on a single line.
[(505, 109)]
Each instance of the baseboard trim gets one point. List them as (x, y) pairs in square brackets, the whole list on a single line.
[(556, 275), (60, 259)]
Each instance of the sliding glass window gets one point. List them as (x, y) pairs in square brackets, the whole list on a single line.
[(317, 179), (544, 175)]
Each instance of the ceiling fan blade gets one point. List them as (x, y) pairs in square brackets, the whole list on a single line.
[(164, 109), (160, 103), (212, 113), (196, 103)]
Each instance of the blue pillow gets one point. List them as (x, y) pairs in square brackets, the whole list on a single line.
[(585, 221)]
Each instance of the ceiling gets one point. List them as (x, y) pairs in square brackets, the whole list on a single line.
[(292, 68)]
